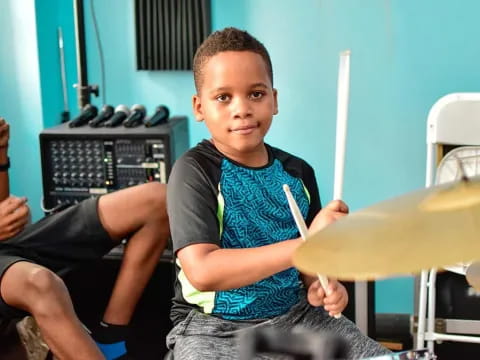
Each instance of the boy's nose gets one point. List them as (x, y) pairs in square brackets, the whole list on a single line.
[(241, 109)]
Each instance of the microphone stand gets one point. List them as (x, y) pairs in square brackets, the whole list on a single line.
[(83, 89)]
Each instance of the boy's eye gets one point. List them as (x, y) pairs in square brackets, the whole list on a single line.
[(222, 98), (256, 95)]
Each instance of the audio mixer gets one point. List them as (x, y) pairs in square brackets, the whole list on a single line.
[(81, 162)]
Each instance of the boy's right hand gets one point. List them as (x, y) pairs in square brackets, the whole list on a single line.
[(336, 300), (14, 215), (334, 210)]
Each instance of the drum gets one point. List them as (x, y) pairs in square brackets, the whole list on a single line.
[(422, 354)]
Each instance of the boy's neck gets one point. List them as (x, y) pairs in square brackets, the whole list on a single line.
[(257, 157)]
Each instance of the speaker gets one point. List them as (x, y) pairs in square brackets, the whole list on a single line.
[(169, 32), (90, 287)]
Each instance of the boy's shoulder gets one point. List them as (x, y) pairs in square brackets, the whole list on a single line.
[(201, 162)]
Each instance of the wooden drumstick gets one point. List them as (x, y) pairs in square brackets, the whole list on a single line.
[(342, 116), (303, 230)]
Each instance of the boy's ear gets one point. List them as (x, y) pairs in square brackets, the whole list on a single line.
[(197, 108), (275, 102)]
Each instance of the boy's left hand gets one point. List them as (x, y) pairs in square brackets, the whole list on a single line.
[(334, 210), (334, 301)]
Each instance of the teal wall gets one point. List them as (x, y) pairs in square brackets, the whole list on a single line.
[(405, 55), (51, 15), (124, 84), (20, 97)]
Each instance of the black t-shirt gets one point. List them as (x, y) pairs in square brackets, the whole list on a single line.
[(212, 199)]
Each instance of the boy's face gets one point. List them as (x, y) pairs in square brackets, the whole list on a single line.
[(237, 101)]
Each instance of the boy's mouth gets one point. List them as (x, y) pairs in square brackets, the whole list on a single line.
[(244, 130)]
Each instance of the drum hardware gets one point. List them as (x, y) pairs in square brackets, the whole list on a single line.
[(302, 343), (452, 326), (473, 275), (299, 343), (394, 236), (440, 325), (422, 354)]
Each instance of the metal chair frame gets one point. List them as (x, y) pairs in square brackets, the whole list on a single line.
[(454, 120)]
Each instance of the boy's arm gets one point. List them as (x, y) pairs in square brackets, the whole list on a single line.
[(329, 214), (241, 267), (210, 268), (335, 297)]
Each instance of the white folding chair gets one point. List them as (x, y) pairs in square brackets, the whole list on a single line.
[(453, 136)]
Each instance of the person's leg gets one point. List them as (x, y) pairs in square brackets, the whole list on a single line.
[(140, 213), (86, 232), (39, 291), (201, 336)]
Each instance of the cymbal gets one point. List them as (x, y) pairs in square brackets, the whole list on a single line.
[(433, 227)]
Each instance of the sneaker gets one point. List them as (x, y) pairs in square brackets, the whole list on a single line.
[(31, 339)]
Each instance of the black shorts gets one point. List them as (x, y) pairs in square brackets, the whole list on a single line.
[(57, 242)]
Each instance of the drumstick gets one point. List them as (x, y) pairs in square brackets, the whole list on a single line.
[(302, 229), (342, 115)]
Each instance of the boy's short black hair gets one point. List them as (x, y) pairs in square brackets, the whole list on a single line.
[(228, 39)]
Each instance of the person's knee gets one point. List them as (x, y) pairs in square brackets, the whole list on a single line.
[(46, 290), (156, 198)]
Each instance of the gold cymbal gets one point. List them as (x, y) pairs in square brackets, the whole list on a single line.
[(428, 228)]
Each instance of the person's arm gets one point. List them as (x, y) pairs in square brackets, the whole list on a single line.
[(241, 267), (4, 137), (14, 211), (332, 212), (335, 298), (210, 268)]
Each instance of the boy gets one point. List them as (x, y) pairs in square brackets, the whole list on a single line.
[(232, 230), (31, 254)]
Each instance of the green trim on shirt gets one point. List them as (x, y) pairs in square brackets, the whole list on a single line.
[(205, 299)]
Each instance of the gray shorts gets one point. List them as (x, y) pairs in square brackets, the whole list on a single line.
[(57, 242), (201, 336)]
